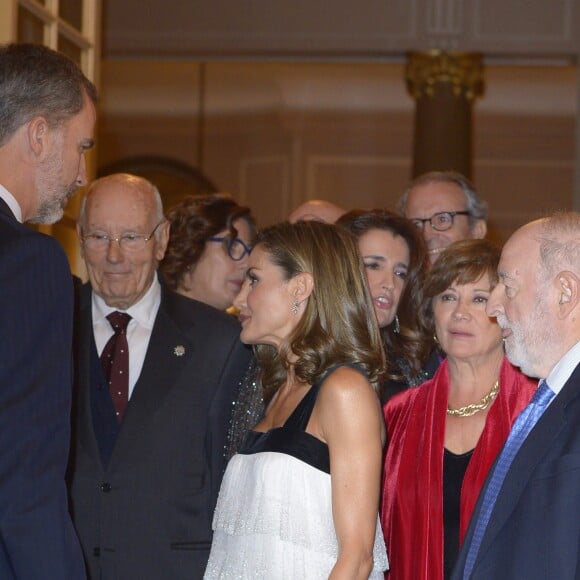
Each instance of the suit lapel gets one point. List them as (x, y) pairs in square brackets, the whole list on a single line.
[(168, 353), (532, 452)]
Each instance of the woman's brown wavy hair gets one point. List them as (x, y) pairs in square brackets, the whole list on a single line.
[(193, 221), (338, 324), (410, 344)]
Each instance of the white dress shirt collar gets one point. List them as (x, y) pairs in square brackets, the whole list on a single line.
[(564, 368), (143, 312), (11, 203), (139, 331)]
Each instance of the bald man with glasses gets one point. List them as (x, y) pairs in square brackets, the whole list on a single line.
[(157, 374)]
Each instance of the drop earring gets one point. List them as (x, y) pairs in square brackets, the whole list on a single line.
[(294, 308), (397, 326)]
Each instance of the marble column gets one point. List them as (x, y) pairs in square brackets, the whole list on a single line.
[(444, 86)]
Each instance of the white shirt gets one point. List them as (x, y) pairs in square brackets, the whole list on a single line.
[(564, 368), (11, 203), (143, 314)]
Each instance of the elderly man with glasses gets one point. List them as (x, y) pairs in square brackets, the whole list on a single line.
[(157, 374), (446, 208)]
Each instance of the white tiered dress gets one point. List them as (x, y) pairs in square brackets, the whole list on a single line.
[(273, 518)]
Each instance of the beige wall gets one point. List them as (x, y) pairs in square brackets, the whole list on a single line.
[(276, 134)]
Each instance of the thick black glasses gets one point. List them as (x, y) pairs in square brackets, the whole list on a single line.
[(235, 248), (129, 242), (440, 221)]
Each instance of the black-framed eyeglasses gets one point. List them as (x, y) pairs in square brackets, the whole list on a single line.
[(235, 248), (129, 242), (440, 221)]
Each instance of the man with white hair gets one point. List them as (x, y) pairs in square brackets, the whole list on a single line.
[(158, 374), (527, 520)]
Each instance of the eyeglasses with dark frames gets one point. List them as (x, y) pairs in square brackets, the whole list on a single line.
[(129, 242), (234, 247), (440, 221)]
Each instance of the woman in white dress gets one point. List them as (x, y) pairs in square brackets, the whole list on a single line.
[(300, 499)]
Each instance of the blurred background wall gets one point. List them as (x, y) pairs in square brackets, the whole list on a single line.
[(279, 102)]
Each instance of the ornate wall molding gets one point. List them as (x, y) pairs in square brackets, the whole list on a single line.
[(445, 17), (308, 29), (462, 71)]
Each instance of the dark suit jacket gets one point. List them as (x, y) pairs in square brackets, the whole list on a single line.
[(534, 530), (37, 539), (143, 494)]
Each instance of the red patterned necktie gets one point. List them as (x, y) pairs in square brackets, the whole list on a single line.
[(115, 362)]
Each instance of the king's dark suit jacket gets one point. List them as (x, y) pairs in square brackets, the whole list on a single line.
[(534, 530), (143, 493), (37, 539)]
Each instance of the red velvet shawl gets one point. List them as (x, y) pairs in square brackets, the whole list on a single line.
[(412, 503)]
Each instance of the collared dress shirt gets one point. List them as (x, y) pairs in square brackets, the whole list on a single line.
[(564, 368), (143, 314)]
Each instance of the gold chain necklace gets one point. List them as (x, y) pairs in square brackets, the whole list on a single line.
[(469, 410)]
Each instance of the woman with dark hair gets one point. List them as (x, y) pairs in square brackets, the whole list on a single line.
[(444, 435), (300, 499), (210, 239), (395, 261)]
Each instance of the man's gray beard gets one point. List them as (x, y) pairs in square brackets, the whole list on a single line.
[(524, 346), (516, 351), (47, 215), (51, 209), (51, 196)]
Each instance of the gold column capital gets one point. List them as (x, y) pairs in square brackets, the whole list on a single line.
[(462, 71)]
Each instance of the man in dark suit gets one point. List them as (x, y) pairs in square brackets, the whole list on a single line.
[(145, 479), (527, 523), (47, 115)]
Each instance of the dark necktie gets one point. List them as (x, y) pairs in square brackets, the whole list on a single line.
[(519, 431), (115, 362)]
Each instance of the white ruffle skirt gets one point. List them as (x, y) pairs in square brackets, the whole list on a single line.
[(273, 521)]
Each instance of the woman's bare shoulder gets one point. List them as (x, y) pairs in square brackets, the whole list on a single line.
[(346, 386)]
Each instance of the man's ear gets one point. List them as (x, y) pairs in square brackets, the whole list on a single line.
[(479, 229), (38, 134), (568, 287), (162, 240), (302, 286)]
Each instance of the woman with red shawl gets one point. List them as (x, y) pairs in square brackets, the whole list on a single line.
[(444, 436)]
